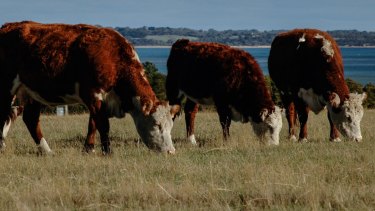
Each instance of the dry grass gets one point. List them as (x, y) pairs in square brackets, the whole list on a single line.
[(242, 174)]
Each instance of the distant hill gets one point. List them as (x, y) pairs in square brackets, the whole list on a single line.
[(166, 36)]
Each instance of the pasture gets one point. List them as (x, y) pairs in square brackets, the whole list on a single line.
[(241, 174)]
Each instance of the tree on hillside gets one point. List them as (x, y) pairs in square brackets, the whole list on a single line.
[(354, 86), (156, 79), (275, 93), (370, 90)]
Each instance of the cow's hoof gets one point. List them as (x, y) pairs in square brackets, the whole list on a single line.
[(303, 140), (2, 146), (335, 140), (107, 153), (293, 138), (106, 150), (192, 140), (89, 149), (43, 148)]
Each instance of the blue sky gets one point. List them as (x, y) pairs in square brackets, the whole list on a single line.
[(198, 14)]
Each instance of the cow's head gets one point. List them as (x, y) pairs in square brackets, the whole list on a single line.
[(347, 116), (154, 124), (270, 125)]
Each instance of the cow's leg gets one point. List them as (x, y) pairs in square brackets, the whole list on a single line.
[(334, 133), (303, 114), (98, 120), (5, 120), (191, 109), (31, 114), (225, 119), (90, 138), (291, 116)]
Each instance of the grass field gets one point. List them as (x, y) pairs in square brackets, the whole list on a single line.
[(241, 174)]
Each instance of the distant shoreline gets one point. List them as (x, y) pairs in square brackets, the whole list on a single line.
[(240, 46), (235, 46)]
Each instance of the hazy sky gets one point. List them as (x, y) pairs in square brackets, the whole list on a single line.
[(198, 14)]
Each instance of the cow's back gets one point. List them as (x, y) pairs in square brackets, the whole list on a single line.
[(49, 43), (59, 55), (198, 68), (306, 58), (39, 52)]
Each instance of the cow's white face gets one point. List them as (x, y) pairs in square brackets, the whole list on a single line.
[(347, 118), (270, 126), (155, 128)]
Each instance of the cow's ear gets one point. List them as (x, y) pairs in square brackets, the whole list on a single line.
[(334, 100), (263, 114), (363, 96), (145, 105)]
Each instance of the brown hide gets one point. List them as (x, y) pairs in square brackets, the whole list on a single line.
[(230, 76), (309, 59), (51, 59), (297, 60)]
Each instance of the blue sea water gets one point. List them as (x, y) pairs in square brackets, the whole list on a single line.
[(359, 63)]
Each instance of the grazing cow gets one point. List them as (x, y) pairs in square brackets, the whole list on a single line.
[(307, 67), (64, 64), (229, 78)]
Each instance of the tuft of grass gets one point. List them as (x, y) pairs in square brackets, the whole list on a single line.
[(241, 174)]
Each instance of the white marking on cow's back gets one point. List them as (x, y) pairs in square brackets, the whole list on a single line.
[(327, 46), (302, 39), (314, 101)]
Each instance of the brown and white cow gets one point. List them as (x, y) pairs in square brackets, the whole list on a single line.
[(307, 67), (230, 79), (64, 64)]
